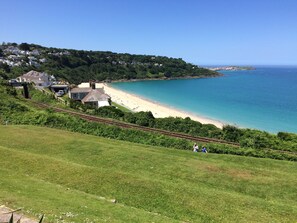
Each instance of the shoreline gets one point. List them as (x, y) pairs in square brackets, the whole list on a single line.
[(137, 103)]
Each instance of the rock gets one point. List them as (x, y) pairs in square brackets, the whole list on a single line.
[(113, 201)]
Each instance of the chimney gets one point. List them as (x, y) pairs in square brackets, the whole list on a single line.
[(93, 85)]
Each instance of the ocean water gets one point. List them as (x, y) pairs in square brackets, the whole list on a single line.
[(265, 98)]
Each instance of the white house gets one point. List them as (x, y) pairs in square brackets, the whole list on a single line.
[(90, 96), (88, 84), (79, 93), (38, 78), (96, 98)]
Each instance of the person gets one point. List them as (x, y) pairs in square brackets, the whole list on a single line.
[(195, 148), (204, 149)]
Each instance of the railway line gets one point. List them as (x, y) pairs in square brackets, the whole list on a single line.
[(120, 124)]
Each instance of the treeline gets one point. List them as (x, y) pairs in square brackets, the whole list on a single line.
[(13, 110), (78, 66)]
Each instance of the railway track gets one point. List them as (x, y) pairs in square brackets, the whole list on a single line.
[(120, 124)]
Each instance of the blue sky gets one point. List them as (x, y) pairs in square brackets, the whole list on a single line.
[(204, 32)]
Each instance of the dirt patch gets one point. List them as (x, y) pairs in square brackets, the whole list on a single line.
[(203, 166), (246, 175), (5, 214), (239, 174), (213, 169)]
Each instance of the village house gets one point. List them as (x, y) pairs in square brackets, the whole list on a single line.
[(33, 53), (92, 96), (42, 60), (12, 49), (78, 94), (38, 78), (95, 98)]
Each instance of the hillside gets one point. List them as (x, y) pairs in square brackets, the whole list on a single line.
[(77, 66), (43, 110), (73, 177)]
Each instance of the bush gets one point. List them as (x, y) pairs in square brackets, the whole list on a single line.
[(109, 112), (11, 91), (231, 133), (144, 118)]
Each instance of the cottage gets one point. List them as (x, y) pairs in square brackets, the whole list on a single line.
[(95, 98), (78, 94), (38, 78), (90, 96)]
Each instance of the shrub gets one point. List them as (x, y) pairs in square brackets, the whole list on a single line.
[(231, 133), (109, 112)]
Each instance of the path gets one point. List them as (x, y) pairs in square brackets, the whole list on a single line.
[(5, 214)]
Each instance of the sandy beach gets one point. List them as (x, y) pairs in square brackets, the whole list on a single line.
[(136, 103)]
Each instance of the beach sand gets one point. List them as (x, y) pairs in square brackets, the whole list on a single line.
[(136, 103)]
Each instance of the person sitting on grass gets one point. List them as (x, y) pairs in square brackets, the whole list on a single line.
[(204, 149), (195, 148)]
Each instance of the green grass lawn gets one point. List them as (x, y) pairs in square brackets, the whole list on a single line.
[(72, 177), (122, 108)]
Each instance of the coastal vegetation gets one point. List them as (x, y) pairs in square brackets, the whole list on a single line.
[(76, 66), (247, 138), (73, 177), (15, 110)]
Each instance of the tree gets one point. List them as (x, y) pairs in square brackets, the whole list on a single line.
[(3, 75), (284, 136), (24, 46), (5, 67), (231, 133), (144, 118), (168, 74)]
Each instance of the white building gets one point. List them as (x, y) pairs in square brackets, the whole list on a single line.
[(38, 78), (87, 95)]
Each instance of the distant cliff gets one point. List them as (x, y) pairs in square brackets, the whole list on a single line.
[(77, 66), (231, 68)]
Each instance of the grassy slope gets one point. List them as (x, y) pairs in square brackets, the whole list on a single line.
[(122, 108), (65, 175)]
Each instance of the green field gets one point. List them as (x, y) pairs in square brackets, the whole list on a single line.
[(73, 177)]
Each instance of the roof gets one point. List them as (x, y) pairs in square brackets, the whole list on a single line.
[(85, 90), (35, 74), (59, 86), (95, 95), (81, 90), (38, 78)]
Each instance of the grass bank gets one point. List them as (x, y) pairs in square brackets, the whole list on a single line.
[(72, 177)]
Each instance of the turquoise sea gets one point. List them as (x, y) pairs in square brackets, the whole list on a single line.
[(265, 98)]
